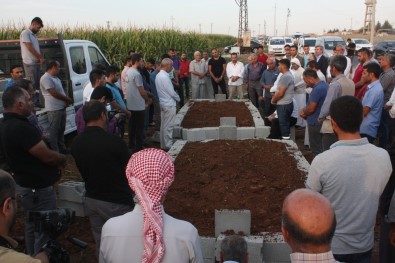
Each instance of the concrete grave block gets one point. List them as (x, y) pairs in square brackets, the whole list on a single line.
[(207, 245), (245, 133), (220, 97), (262, 132), (227, 121), (156, 136), (236, 220), (211, 133), (72, 191), (292, 135), (78, 208), (274, 248), (194, 135), (177, 132), (227, 132), (71, 195)]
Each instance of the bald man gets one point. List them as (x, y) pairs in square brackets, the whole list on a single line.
[(308, 225)]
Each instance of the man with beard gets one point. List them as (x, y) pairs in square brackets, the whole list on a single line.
[(8, 213), (35, 167), (217, 69), (31, 54)]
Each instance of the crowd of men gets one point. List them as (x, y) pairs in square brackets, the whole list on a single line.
[(349, 180)]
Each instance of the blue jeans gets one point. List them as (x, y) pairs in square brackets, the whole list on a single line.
[(32, 73), (284, 117), (40, 200), (56, 128)]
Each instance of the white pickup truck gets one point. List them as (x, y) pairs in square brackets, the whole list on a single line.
[(76, 57)]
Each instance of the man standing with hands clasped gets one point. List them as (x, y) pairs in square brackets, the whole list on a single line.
[(56, 102), (235, 70), (217, 68), (31, 54)]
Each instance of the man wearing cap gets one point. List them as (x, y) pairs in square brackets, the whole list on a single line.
[(31, 54), (148, 234)]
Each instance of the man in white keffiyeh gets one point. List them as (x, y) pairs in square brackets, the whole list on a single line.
[(148, 234)]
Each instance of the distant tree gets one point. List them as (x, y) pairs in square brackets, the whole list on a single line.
[(378, 25), (386, 25)]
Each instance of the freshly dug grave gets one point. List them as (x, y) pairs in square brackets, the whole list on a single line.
[(207, 114), (249, 174)]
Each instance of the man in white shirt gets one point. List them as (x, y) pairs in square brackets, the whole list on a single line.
[(168, 99), (148, 234), (234, 71)]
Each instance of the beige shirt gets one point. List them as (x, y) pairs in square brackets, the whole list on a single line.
[(12, 256), (122, 239)]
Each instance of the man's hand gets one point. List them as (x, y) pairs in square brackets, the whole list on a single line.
[(273, 102), (41, 60), (68, 101), (302, 114), (261, 98), (128, 114)]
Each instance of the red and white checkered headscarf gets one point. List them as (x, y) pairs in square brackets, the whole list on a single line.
[(150, 172)]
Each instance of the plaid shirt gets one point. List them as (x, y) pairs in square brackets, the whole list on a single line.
[(310, 258)]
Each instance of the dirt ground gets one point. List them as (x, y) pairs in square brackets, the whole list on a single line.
[(220, 181), (207, 114), (246, 174)]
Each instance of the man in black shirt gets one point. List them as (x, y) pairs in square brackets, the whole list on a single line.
[(35, 167), (217, 70), (101, 159), (350, 49)]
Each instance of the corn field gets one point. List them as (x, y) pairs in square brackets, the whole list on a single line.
[(116, 42)]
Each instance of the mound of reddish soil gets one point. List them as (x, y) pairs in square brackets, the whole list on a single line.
[(207, 114), (249, 174)]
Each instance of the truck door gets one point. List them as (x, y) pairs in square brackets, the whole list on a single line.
[(96, 57), (78, 71)]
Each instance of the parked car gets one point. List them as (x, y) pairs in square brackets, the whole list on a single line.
[(288, 41), (387, 46), (329, 43), (227, 48), (360, 43), (252, 48), (277, 44), (310, 41)]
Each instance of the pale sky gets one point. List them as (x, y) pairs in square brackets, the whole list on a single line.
[(220, 16)]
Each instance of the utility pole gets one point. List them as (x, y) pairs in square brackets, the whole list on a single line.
[(259, 31), (264, 26), (274, 28), (243, 18), (108, 24), (286, 25), (172, 21)]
